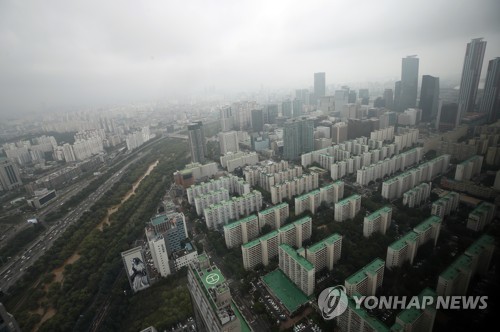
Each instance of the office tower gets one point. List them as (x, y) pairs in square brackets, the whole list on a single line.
[(429, 97), (257, 120), (447, 117), (389, 99), (397, 95), (172, 226), (228, 142), (319, 85), (364, 95), (409, 83), (341, 99), (298, 137), (226, 118), (213, 306), (197, 142), (490, 104), (471, 72), (339, 132), (352, 97), (271, 113), (9, 175), (286, 108), (297, 107)]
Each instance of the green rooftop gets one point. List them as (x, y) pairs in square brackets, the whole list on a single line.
[(373, 322), (427, 223), (371, 268), (401, 243), (158, 219), (211, 277), (264, 237), (410, 315), (348, 199), (321, 244), (478, 246), (241, 221), (285, 290), (309, 194), (296, 257), (273, 208), (203, 257), (376, 214), (462, 262)]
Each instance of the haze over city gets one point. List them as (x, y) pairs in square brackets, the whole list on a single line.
[(63, 55)]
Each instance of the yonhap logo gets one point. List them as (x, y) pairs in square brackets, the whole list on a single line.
[(332, 302)]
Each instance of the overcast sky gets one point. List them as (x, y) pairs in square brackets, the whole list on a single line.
[(69, 53)]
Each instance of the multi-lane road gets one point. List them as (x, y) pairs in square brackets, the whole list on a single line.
[(15, 268)]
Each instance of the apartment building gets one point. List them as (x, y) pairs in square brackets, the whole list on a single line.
[(347, 208), (379, 221), (418, 195), (220, 214), (241, 231), (296, 186), (469, 168), (325, 253), (445, 205), (233, 160), (275, 216), (297, 268), (405, 249), (481, 216), (367, 280), (213, 197), (233, 184)]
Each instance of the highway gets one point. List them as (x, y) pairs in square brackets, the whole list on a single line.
[(17, 265)]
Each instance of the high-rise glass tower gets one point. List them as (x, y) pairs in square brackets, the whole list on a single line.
[(409, 83), (429, 97), (319, 85), (473, 63), (490, 104), (298, 137), (197, 142)]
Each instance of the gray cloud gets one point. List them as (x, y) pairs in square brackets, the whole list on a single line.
[(71, 53)]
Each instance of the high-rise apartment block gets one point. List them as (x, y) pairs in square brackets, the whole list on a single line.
[(197, 142), (233, 160), (418, 195), (367, 280), (241, 231), (396, 186), (469, 168), (226, 118), (339, 132), (481, 216), (476, 260), (264, 248), (228, 142), (319, 85), (471, 72), (325, 253), (219, 214), (347, 208), (311, 201), (297, 268), (405, 249), (275, 216), (232, 183), (445, 205), (379, 221), (293, 187)]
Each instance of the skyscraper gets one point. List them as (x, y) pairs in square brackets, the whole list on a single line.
[(319, 85), (9, 175), (226, 119), (271, 113), (197, 142), (286, 108), (257, 120), (397, 95), (429, 97), (297, 107), (490, 104), (389, 99), (471, 72), (409, 83), (298, 137)]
